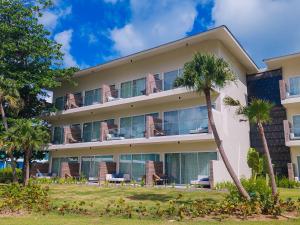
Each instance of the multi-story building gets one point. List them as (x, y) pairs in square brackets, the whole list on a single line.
[(290, 99), (128, 111)]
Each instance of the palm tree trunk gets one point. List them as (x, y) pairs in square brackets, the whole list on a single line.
[(267, 154), (218, 141), (10, 153), (27, 167)]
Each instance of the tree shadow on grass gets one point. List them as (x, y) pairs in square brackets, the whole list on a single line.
[(151, 197)]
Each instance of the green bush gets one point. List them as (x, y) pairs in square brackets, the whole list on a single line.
[(15, 197), (284, 182), (6, 175), (58, 180)]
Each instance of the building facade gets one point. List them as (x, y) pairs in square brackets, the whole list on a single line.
[(128, 111)]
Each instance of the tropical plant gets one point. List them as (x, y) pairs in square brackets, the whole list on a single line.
[(204, 73), (30, 135), (258, 113), (255, 162), (9, 98)]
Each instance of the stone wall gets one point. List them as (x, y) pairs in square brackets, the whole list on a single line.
[(69, 170), (265, 85), (153, 167)]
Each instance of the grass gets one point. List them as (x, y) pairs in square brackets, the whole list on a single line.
[(149, 196)]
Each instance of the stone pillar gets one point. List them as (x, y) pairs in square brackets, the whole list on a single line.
[(282, 88), (106, 168), (69, 169), (211, 174), (291, 174), (150, 84), (149, 126), (286, 128), (153, 167), (103, 131), (105, 93)]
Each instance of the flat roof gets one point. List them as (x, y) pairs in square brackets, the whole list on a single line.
[(283, 57), (221, 33)]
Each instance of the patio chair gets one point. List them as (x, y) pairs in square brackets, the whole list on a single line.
[(160, 179), (201, 180)]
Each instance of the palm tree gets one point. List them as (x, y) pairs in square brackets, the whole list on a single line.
[(258, 113), (204, 73), (31, 136), (9, 97)]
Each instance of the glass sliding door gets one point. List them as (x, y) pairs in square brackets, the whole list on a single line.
[(294, 83), (134, 164), (139, 87), (92, 97), (125, 127), (169, 79), (138, 126), (87, 132), (181, 168), (126, 89), (58, 135), (85, 166), (55, 166), (172, 167), (90, 165), (60, 103), (171, 123)]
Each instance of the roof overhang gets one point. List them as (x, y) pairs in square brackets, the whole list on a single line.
[(221, 33), (277, 62)]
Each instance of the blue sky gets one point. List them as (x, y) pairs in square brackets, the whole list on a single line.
[(94, 31)]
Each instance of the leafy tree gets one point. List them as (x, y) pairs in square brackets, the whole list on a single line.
[(29, 135), (29, 58), (204, 73), (258, 113), (255, 162), (9, 99)]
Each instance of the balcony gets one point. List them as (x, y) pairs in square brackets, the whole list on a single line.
[(110, 98), (289, 95), (291, 134), (154, 131)]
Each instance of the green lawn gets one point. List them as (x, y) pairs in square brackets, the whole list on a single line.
[(149, 196)]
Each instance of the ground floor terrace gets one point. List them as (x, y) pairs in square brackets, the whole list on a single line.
[(181, 162)]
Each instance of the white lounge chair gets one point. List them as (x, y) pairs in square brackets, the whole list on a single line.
[(201, 180), (117, 178)]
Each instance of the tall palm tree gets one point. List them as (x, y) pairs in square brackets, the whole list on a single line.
[(31, 136), (9, 97), (204, 73), (258, 113)]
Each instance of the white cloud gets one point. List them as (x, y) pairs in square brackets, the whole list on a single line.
[(153, 23), (51, 18), (265, 27), (64, 38)]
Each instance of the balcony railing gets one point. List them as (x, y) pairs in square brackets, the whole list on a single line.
[(291, 133), (154, 127), (287, 92), (110, 93)]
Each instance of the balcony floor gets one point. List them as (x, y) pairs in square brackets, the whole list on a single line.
[(204, 137)]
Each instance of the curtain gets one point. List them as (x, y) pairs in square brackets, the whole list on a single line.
[(125, 127), (58, 135), (126, 89), (171, 123), (169, 78), (189, 167), (172, 167), (296, 125), (204, 159), (87, 132), (138, 126), (96, 131), (85, 166), (294, 86), (139, 87)]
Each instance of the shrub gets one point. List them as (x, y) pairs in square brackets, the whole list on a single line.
[(284, 182), (6, 175), (29, 198), (58, 180)]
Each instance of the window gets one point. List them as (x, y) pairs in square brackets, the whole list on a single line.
[(296, 126), (186, 121), (92, 97), (184, 167), (294, 86), (170, 77), (135, 126), (91, 131), (90, 165), (58, 135), (60, 103), (133, 88), (56, 163), (134, 164)]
